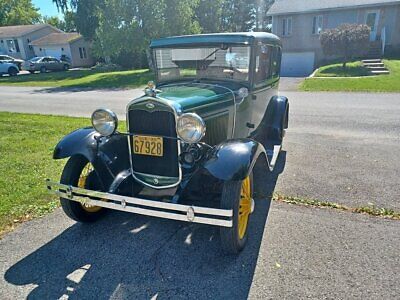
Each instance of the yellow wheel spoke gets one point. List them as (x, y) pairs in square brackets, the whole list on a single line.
[(82, 184), (244, 207)]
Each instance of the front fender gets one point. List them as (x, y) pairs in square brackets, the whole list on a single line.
[(109, 155), (233, 159), (81, 141)]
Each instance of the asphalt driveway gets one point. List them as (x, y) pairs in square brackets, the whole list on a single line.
[(340, 147)]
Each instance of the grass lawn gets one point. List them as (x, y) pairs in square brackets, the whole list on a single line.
[(353, 69), (381, 83), (26, 147), (83, 78)]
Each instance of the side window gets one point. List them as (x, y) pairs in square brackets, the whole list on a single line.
[(263, 64), (276, 61)]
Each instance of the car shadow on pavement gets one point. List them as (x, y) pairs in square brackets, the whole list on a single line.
[(128, 256)]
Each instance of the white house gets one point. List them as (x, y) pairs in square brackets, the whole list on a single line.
[(15, 40), (70, 45)]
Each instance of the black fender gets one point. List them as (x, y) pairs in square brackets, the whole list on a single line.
[(108, 155), (233, 159), (276, 119)]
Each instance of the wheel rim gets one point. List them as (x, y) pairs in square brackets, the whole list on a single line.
[(82, 184), (244, 207)]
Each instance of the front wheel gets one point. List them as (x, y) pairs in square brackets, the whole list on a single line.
[(43, 69), (79, 172), (238, 196), (12, 71)]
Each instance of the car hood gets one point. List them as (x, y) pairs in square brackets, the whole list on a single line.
[(190, 96)]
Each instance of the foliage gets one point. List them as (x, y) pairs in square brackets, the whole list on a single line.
[(18, 12), (381, 83), (346, 41), (99, 79), (122, 30)]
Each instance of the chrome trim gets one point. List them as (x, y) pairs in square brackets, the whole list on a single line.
[(112, 114), (275, 154), (176, 109), (200, 119), (179, 212)]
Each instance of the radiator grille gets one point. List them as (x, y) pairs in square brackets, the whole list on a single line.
[(158, 123)]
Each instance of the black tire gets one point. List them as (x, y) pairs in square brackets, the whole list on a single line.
[(66, 67), (32, 72), (12, 71), (43, 69), (70, 176), (231, 241)]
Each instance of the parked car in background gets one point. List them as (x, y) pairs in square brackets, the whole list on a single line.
[(44, 64), (7, 58), (8, 68)]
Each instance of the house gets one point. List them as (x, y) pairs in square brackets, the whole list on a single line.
[(15, 40), (298, 23), (70, 45)]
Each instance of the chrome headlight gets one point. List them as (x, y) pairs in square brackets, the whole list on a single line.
[(191, 128), (104, 121)]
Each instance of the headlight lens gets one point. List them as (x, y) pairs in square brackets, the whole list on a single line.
[(191, 128), (104, 121)]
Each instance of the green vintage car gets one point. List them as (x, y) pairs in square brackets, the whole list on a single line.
[(192, 141)]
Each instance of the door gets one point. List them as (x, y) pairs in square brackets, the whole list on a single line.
[(371, 20), (297, 64)]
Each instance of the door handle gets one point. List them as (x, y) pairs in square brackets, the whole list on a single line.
[(250, 125)]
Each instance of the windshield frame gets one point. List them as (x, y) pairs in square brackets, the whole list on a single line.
[(246, 83)]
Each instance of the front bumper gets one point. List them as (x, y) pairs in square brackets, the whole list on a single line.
[(195, 214)]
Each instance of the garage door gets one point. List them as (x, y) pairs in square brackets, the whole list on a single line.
[(55, 52), (297, 64)]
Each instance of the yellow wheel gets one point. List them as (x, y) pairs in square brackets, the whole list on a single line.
[(237, 195), (82, 181), (79, 172), (244, 207)]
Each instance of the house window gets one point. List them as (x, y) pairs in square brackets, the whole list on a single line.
[(13, 46), (82, 52), (286, 26), (317, 24)]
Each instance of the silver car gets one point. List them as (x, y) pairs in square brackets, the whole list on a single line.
[(9, 59), (44, 64)]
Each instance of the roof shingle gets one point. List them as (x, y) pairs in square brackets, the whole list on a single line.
[(299, 6), (57, 39), (20, 30)]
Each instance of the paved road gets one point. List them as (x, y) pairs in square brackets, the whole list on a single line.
[(299, 253), (340, 147)]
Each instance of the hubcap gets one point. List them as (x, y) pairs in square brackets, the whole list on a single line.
[(82, 184), (245, 207)]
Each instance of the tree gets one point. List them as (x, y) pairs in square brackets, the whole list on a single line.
[(346, 41), (208, 14), (67, 25), (18, 12)]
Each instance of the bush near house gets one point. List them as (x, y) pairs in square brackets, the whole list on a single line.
[(346, 41)]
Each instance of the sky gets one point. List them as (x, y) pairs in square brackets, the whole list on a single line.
[(47, 8)]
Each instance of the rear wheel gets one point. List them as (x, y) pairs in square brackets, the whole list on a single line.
[(79, 172), (32, 72), (66, 68), (43, 69), (238, 196), (12, 71)]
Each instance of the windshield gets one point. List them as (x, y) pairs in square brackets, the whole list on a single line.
[(231, 63)]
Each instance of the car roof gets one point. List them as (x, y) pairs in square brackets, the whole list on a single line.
[(240, 38)]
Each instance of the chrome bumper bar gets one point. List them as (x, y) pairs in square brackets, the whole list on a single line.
[(195, 214)]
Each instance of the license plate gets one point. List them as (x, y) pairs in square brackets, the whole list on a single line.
[(148, 145)]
